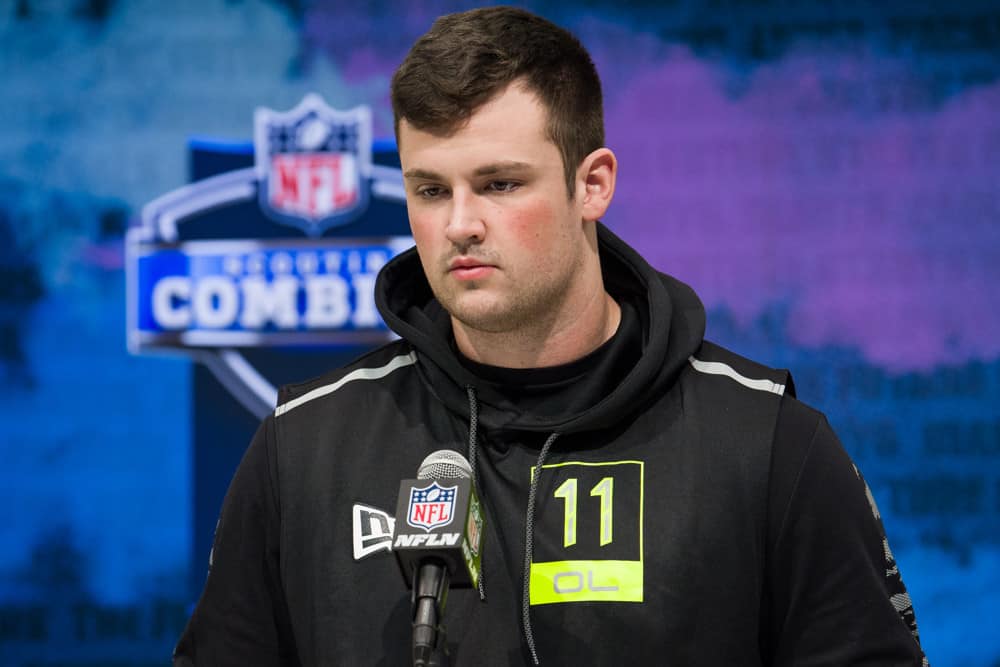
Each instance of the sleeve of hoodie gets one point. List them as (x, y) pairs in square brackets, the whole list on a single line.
[(242, 618), (835, 596)]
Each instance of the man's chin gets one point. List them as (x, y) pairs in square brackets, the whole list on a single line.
[(483, 315)]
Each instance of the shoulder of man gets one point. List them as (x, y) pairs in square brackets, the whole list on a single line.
[(368, 368), (714, 360)]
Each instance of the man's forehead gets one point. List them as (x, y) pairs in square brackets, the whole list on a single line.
[(441, 132)]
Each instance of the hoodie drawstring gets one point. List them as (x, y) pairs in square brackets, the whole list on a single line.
[(529, 522), (529, 533), (473, 428)]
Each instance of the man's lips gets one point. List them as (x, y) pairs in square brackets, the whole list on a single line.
[(469, 268)]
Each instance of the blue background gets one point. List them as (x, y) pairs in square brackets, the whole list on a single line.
[(824, 174)]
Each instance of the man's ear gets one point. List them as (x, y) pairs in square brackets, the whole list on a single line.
[(596, 176)]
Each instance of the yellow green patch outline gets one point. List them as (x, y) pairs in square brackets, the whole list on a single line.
[(591, 580)]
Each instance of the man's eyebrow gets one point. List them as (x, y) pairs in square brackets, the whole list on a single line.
[(485, 170), (497, 167), (422, 173)]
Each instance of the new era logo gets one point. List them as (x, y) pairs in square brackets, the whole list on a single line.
[(373, 530)]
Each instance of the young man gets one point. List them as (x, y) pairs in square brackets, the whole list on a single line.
[(650, 497)]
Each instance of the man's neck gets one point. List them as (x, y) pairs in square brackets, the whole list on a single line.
[(546, 343)]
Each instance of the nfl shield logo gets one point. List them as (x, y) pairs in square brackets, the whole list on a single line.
[(313, 164), (431, 506)]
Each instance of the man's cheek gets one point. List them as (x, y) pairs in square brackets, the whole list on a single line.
[(532, 225)]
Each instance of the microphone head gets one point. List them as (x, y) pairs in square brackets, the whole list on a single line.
[(445, 463)]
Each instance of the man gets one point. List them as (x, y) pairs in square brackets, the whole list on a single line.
[(651, 498)]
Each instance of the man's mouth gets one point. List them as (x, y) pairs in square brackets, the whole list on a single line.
[(469, 268)]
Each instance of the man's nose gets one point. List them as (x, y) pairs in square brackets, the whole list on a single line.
[(466, 223)]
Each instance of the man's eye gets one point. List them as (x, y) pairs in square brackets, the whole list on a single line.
[(503, 186), (430, 191)]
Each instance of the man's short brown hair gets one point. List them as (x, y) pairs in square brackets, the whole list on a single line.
[(467, 58)]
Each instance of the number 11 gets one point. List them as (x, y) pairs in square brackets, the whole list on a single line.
[(567, 491)]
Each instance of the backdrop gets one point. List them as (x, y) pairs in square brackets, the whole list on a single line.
[(824, 174)]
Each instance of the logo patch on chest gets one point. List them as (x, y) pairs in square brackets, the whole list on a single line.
[(373, 530)]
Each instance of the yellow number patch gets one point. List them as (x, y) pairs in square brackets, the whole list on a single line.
[(588, 533)]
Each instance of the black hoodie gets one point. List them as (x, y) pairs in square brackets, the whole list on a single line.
[(660, 501)]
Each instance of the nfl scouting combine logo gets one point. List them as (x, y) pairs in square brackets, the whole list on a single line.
[(431, 506), (209, 271)]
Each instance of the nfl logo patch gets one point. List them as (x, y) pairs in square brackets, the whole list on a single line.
[(431, 506), (313, 164)]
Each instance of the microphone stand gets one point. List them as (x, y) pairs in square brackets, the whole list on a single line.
[(430, 592)]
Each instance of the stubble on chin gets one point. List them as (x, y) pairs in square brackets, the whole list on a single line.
[(472, 306)]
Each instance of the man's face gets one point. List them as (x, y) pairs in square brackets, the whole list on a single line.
[(498, 237)]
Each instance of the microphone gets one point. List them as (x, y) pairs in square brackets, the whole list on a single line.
[(438, 544)]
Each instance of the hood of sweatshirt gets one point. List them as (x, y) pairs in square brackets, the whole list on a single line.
[(671, 318)]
